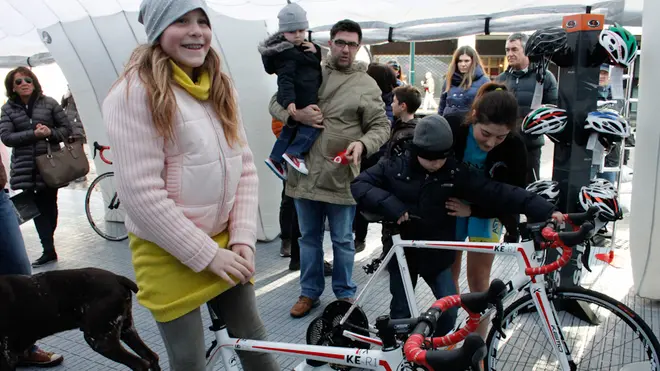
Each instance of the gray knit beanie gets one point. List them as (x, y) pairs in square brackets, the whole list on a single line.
[(293, 18), (157, 15), (433, 135)]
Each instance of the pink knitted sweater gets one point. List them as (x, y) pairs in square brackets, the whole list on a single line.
[(181, 192)]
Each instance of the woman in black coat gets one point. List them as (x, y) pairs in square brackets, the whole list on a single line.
[(29, 123), (486, 140)]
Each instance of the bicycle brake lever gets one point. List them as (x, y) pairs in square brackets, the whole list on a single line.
[(586, 255), (497, 321)]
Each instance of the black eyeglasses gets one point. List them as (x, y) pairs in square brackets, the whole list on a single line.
[(19, 82), (343, 43)]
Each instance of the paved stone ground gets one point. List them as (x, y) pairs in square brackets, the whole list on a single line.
[(277, 287)]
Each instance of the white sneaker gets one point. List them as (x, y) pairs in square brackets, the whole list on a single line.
[(297, 163)]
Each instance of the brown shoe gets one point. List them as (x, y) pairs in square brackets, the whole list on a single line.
[(40, 358), (303, 306)]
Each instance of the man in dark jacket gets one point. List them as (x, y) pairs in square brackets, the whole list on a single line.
[(297, 64), (520, 78), (420, 183)]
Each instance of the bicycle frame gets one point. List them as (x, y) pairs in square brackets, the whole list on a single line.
[(224, 347), (526, 257), (393, 359)]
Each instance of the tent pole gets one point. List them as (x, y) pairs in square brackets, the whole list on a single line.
[(412, 63)]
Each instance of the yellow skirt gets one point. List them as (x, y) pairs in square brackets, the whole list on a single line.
[(168, 288)]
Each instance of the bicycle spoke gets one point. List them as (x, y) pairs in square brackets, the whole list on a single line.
[(103, 208), (611, 345)]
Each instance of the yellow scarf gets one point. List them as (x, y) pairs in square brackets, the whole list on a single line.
[(199, 89)]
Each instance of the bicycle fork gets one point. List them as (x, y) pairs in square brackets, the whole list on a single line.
[(553, 332)]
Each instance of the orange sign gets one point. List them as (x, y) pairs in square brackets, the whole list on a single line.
[(583, 22)]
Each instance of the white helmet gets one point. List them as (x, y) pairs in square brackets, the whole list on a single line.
[(547, 119), (619, 43), (608, 122), (547, 189), (603, 186), (607, 204)]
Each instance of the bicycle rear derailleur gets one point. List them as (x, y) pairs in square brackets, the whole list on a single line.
[(373, 266)]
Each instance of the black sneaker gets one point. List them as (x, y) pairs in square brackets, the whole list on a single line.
[(359, 246), (44, 259), (327, 269)]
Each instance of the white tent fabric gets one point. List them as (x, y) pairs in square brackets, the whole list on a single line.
[(22, 20)]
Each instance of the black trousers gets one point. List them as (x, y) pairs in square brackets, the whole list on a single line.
[(289, 229), (46, 223)]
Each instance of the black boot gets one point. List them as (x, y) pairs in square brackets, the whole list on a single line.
[(46, 257)]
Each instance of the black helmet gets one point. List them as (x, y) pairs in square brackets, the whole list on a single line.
[(546, 42)]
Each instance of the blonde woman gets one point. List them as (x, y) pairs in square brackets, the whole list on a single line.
[(464, 78), (186, 177)]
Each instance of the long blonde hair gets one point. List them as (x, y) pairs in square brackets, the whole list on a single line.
[(469, 75), (152, 66)]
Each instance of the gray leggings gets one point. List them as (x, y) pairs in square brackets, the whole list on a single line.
[(184, 336)]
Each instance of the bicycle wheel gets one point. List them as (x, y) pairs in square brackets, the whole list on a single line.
[(621, 338), (104, 211)]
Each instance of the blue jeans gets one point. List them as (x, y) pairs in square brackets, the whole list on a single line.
[(442, 285), (294, 141), (13, 257), (311, 220)]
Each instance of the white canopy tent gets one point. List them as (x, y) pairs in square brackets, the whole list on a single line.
[(91, 40), (413, 20)]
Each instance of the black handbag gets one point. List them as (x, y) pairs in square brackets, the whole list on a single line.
[(26, 208)]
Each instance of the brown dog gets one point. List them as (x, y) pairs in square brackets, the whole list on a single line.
[(96, 301)]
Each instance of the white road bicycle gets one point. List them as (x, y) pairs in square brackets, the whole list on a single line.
[(530, 334)]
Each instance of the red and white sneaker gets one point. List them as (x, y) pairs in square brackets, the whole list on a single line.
[(278, 169), (297, 163)]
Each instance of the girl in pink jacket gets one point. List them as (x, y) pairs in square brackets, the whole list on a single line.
[(187, 180)]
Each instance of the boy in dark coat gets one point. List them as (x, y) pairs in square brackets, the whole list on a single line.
[(297, 64), (419, 183)]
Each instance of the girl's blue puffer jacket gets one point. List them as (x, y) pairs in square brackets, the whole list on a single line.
[(458, 99)]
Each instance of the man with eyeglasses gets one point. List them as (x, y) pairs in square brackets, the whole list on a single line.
[(351, 116)]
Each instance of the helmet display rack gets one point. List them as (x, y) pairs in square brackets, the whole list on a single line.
[(628, 100)]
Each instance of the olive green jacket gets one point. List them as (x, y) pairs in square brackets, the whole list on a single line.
[(353, 110)]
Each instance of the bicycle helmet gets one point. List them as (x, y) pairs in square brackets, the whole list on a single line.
[(547, 119), (603, 186), (620, 44), (608, 207), (547, 189), (609, 123), (546, 42)]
